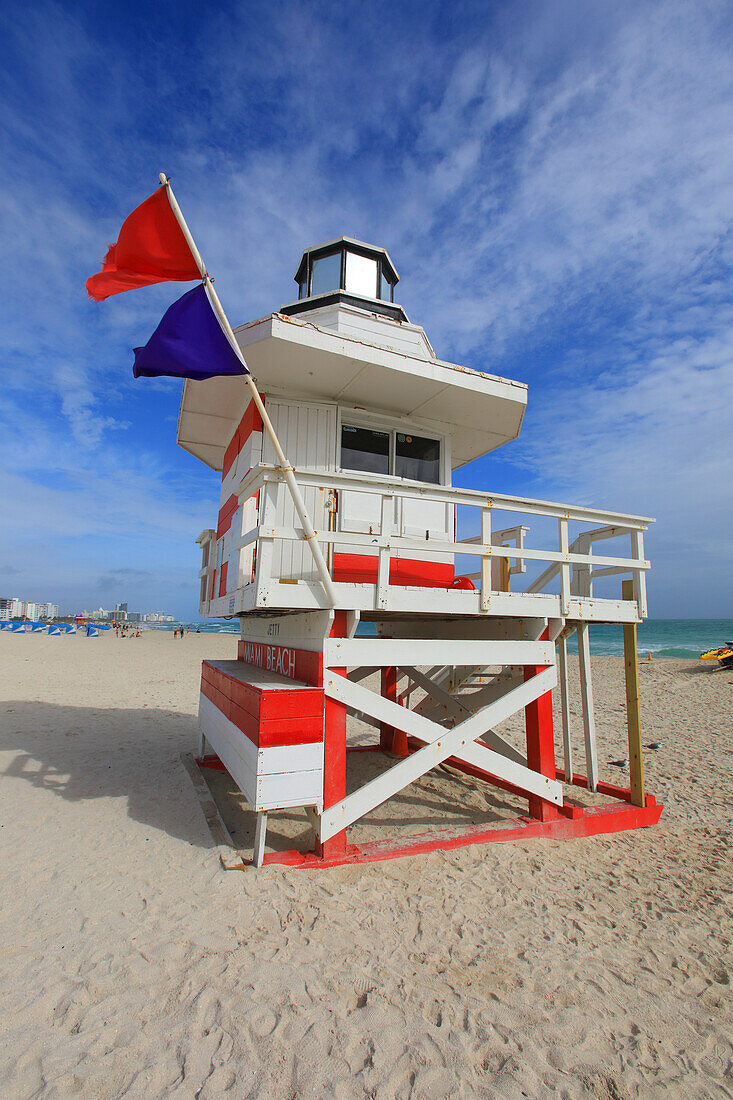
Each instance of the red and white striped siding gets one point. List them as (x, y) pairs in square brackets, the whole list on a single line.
[(244, 452), (266, 728)]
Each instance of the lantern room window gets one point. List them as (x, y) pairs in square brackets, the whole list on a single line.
[(351, 271), (326, 274), (362, 276)]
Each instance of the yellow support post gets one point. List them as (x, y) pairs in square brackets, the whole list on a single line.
[(633, 719), (505, 582)]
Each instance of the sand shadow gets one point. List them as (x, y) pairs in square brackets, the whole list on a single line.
[(710, 668), (439, 799), (87, 753)]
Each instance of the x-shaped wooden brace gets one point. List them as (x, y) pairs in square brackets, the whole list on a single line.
[(439, 744)]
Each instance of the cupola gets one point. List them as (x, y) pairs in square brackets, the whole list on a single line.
[(348, 271)]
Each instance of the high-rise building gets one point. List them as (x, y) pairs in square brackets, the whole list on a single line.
[(10, 608), (29, 610)]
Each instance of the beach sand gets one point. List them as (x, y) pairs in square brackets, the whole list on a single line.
[(132, 964)]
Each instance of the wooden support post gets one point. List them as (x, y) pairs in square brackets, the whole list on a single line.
[(334, 769), (562, 671), (540, 743), (334, 752), (633, 718), (390, 739), (505, 574), (258, 855), (589, 718)]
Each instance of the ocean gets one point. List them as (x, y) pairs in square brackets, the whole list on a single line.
[(662, 637), (679, 638)]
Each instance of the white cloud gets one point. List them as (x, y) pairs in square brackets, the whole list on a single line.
[(554, 183)]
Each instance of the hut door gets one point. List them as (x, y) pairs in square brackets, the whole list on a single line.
[(307, 433)]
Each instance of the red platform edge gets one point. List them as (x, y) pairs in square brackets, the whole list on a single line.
[(610, 818), (577, 822)]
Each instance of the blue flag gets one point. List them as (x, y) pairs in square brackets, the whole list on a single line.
[(189, 342)]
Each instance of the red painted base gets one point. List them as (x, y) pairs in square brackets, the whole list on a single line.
[(600, 819), (573, 822)]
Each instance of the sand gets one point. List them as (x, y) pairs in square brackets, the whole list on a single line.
[(132, 965)]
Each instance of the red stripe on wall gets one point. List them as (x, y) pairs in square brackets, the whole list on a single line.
[(362, 569), (267, 733), (226, 513), (223, 579), (230, 454), (250, 422)]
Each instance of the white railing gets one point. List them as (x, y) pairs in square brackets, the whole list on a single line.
[(575, 563)]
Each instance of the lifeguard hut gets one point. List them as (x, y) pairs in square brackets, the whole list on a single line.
[(470, 610)]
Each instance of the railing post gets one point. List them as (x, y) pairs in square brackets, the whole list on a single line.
[(385, 533), (562, 675), (265, 545), (486, 557), (564, 547), (589, 716), (505, 571), (581, 573), (236, 556), (633, 715), (639, 587)]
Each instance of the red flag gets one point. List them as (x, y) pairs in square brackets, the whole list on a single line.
[(151, 249)]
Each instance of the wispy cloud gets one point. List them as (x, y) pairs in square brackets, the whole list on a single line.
[(553, 181)]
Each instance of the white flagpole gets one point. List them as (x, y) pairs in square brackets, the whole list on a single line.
[(285, 466)]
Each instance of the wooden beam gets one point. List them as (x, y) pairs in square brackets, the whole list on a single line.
[(540, 743), (440, 744), (562, 672), (633, 716), (258, 854), (589, 718)]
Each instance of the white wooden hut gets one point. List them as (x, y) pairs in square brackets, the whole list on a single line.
[(469, 613)]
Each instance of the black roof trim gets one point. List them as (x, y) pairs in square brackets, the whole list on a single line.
[(372, 305)]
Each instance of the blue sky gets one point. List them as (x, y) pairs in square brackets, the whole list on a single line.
[(554, 182)]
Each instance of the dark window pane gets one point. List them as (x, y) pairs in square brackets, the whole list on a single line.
[(418, 458), (364, 449), (326, 274)]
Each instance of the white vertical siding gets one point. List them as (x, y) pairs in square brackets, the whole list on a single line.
[(307, 433)]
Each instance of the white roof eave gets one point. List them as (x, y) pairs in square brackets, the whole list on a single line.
[(296, 358)]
